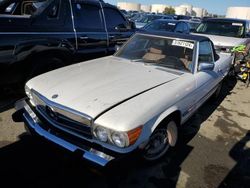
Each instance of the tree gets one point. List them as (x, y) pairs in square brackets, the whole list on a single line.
[(169, 10)]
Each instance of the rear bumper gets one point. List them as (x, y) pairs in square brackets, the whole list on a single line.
[(26, 114)]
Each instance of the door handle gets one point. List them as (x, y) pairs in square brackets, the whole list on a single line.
[(84, 38), (111, 36)]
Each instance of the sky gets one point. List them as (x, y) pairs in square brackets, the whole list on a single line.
[(213, 6)]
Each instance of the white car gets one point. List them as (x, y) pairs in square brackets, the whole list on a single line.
[(225, 33), (132, 101)]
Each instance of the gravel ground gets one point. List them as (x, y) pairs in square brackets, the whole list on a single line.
[(213, 151)]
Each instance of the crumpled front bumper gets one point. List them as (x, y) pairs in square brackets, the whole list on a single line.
[(26, 114)]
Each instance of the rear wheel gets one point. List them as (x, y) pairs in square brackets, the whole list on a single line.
[(160, 141)]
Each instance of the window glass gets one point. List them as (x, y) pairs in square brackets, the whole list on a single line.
[(186, 28), (159, 51), (113, 18), (10, 8), (159, 25), (229, 29), (54, 11), (248, 28), (27, 7), (87, 17), (205, 52), (32, 7), (179, 27)]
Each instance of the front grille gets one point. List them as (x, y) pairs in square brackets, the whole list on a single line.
[(62, 119), (64, 122)]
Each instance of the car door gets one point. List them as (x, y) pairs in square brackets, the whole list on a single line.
[(89, 26), (118, 27), (206, 80)]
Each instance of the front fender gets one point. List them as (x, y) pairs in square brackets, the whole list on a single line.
[(152, 124), (164, 115)]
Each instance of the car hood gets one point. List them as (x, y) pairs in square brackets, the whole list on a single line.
[(96, 86), (223, 41)]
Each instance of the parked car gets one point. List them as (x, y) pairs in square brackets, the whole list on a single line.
[(193, 24), (41, 35), (149, 18), (195, 18), (224, 32), (107, 108), (168, 25), (182, 17)]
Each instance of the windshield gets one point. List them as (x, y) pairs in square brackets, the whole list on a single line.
[(229, 29), (193, 25), (167, 52), (148, 18), (160, 25)]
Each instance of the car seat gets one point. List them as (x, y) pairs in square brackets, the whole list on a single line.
[(187, 59), (154, 54)]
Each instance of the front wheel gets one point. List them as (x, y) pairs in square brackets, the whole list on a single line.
[(160, 141)]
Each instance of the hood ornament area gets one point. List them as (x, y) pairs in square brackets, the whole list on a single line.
[(54, 96)]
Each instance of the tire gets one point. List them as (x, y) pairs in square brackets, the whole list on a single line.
[(43, 65), (162, 139), (231, 72)]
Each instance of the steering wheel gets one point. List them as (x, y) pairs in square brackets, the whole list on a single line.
[(175, 61)]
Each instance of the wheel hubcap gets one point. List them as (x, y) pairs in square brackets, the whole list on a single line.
[(157, 145)]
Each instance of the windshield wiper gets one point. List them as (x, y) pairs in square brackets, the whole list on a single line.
[(153, 63)]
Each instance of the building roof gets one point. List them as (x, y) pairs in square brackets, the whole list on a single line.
[(176, 35)]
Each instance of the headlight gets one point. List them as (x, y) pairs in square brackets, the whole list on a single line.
[(29, 94), (102, 134), (27, 91), (120, 139)]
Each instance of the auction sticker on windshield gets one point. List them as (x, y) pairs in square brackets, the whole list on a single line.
[(185, 44)]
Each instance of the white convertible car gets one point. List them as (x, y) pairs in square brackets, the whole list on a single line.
[(133, 101)]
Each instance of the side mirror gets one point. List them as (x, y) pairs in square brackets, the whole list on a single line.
[(203, 66), (132, 24)]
